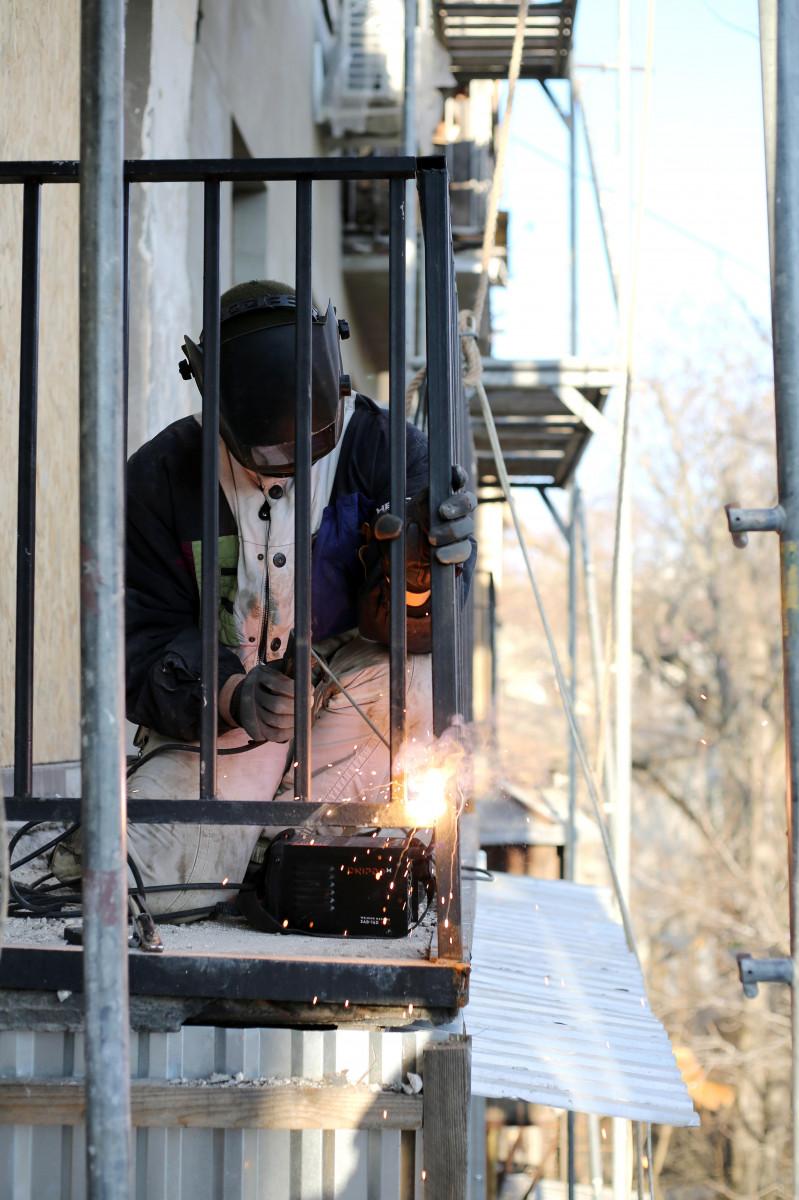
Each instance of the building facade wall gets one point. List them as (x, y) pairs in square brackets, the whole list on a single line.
[(39, 119), (193, 73)]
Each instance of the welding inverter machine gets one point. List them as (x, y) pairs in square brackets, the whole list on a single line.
[(368, 885)]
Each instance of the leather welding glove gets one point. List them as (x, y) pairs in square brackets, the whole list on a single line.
[(448, 537), (449, 534), (452, 532), (263, 705)]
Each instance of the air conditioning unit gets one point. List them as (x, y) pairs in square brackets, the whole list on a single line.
[(363, 82)]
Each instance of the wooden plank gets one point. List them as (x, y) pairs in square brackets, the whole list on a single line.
[(446, 1071), (217, 1106)]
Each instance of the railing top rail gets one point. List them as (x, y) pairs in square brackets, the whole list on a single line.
[(201, 170)]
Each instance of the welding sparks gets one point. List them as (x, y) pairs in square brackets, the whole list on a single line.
[(433, 776), (427, 795)]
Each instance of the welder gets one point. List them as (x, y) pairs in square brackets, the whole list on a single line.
[(349, 494)]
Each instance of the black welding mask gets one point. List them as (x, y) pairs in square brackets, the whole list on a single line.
[(257, 378)]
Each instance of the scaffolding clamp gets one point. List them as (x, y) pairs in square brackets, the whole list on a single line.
[(753, 971), (743, 521)]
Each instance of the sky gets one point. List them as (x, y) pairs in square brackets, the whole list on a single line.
[(703, 268)]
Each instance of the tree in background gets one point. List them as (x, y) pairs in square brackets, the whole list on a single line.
[(710, 861), (709, 850)]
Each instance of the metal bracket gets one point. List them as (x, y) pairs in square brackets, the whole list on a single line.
[(742, 521), (753, 971), (583, 409)]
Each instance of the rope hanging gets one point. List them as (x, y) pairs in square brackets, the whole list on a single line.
[(474, 372)]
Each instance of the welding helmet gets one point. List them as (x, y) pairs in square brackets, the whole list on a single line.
[(257, 376)]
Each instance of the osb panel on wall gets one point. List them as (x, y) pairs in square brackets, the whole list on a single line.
[(39, 118)]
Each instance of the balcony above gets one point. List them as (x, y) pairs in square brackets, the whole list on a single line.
[(545, 412), (478, 35)]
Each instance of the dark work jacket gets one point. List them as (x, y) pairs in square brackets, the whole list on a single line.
[(164, 526)]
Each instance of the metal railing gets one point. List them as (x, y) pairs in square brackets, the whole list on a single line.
[(447, 427)]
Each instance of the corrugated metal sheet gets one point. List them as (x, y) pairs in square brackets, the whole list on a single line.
[(558, 1012), (48, 1163)]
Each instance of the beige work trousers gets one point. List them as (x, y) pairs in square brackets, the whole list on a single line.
[(349, 762)]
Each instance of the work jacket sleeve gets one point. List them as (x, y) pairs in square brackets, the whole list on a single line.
[(163, 641)]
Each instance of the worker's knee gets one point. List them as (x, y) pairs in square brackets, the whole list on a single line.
[(363, 669)]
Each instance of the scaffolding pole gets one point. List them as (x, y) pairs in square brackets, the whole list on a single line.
[(785, 320), (621, 599), (768, 69), (573, 278), (571, 836), (105, 965)]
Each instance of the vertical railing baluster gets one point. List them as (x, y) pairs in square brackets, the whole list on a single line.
[(302, 497), (461, 455), (26, 492), (441, 381), (398, 626), (125, 309), (210, 479)]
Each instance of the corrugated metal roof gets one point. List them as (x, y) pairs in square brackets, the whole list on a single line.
[(557, 1009)]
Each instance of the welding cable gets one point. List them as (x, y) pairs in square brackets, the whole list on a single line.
[(188, 748), (23, 895), (21, 862), (5, 871), (479, 872), (47, 900), (29, 896)]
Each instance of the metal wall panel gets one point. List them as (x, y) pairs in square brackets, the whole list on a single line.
[(48, 1163), (558, 1012)]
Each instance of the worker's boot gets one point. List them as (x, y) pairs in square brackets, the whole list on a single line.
[(66, 861)]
